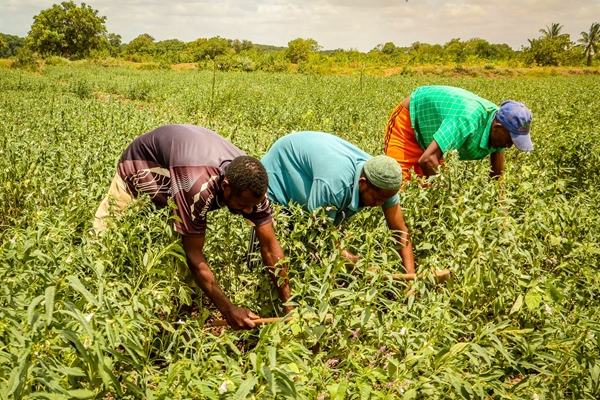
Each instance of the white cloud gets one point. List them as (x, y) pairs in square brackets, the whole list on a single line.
[(333, 23)]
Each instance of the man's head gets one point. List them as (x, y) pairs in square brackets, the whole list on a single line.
[(380, 180), (512, 125), (245, 184)]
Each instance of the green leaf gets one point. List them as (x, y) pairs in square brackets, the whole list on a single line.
[(18, 375), (272, 352), (285, 384), (266, 372), (410, 394), (365, 390), (518, 304), (554, 294), (206, 391), (245, 388), (76, 284), (371, 294), (533, 299), (71, 371), (341, 390), (31, 308), (49, 303), (81, 393)]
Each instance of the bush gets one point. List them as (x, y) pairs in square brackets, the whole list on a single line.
[(26, 60), (56, 61), (152, 66), (81, 88), (139, 91)]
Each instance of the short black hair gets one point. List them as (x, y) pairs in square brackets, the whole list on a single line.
[(247, 173)]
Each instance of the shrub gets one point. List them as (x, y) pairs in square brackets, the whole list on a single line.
[(56, 61), (26, 59)]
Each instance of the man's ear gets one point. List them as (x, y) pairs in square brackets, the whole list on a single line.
[(225, 186), (362, 182)]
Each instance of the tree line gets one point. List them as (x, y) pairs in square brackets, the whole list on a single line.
[(74, 32)]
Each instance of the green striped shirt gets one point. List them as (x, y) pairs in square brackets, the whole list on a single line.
[(455, 118)]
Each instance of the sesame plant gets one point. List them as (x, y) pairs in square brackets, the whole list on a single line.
[(115, 317)]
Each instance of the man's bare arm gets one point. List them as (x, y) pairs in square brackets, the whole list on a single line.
[(271, 253), (237, 317), (497, 161), (430, 160), (395, 221)]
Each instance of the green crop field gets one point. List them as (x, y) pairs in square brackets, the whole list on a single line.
[(109, 317)]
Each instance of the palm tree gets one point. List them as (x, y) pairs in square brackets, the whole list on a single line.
[(591, 42), (552, 31)]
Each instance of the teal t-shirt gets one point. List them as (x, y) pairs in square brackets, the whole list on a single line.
[(316, 169)]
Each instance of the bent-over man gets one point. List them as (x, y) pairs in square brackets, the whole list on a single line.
[(436, 119), (316, 169), (201, 172)]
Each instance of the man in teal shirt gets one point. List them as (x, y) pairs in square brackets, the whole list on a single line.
[(316, 169), (436, 119)]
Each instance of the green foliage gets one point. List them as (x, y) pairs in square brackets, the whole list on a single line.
[(210, 49), (56, 61), (170, 51), (114, 39), (552, 51), (12, 45), (26, 60), (79, 32), (301, 49), (241, 45), (590, 42), (143, 44), (552, 31), (83, 317), (82, 88), (66, 30), (388, 48)]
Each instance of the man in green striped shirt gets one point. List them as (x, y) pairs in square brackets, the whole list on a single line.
[(436, 119)]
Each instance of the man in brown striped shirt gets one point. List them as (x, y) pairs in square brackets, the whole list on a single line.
[(201, 172)]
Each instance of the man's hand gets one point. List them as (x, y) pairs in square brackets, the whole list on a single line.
[(349, 256), (430, 159), (288, 309), (240, 318)]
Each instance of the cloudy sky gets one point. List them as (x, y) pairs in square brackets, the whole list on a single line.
[(359, 24)]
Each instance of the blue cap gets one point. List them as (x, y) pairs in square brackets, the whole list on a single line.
[(516, 118)]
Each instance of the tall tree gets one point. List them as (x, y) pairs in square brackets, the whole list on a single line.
[(240, 45), (388, 48), (590, 42), (114, 39), (214, 47), (300, 49), (552, 31), (66, 30), (143, 44), (552, 51), (456, 50)]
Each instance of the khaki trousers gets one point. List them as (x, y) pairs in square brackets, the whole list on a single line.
[(116, 200)]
